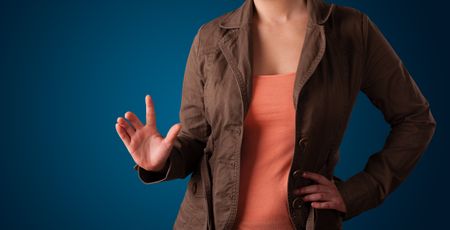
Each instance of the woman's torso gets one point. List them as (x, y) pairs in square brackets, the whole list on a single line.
[(269, 127), (267, 151)]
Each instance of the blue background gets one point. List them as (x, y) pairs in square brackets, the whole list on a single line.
[(70, 68)]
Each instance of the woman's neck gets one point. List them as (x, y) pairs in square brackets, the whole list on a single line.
[(279, 11)]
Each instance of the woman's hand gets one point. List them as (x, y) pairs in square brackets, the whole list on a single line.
[(146, 145), (322, 195)]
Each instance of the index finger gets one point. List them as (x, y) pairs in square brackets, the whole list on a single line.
[(316, 177), (150, 111)]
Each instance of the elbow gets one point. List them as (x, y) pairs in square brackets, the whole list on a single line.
[(432, 125), (417, 128), (427, 127), (430, 122)]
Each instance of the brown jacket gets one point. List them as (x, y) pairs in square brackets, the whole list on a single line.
[(344, 52)]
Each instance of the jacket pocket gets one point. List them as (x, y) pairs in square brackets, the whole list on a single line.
[(192, 213), (195, 185)]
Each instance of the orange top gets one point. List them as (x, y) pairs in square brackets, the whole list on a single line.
[(267, 150)]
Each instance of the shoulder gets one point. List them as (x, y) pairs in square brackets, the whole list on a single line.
[(345, 20), (348, 19), (345, 13), (348, 25), (209, 33)]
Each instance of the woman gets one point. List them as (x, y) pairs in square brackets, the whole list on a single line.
[(267, 93)]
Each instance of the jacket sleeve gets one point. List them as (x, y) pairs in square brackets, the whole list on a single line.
[(191, 140), (391, 89)]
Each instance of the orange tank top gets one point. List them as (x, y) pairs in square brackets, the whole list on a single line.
[(267, 150)]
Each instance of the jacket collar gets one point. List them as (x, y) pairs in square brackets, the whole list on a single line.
[(236, 46), (318, 10)]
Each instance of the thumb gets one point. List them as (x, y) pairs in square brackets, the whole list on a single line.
[(172, 134)]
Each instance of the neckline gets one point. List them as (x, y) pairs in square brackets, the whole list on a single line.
[(274, 75)]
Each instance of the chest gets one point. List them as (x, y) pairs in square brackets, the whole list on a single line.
[(277, 48), (323, 90)]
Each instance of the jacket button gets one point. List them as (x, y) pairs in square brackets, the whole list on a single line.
[(194, 187), (297, 203), (302, 142), (238, 130), (297, 173), (294, 216)]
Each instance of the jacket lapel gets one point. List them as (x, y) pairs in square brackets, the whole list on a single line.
[(236, 46)]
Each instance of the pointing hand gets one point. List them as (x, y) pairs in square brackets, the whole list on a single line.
[(147, 147)]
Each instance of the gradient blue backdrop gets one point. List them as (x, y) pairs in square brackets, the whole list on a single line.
[(70, 68)]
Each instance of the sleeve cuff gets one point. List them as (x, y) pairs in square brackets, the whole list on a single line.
[(358, 193), (153, 177)]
